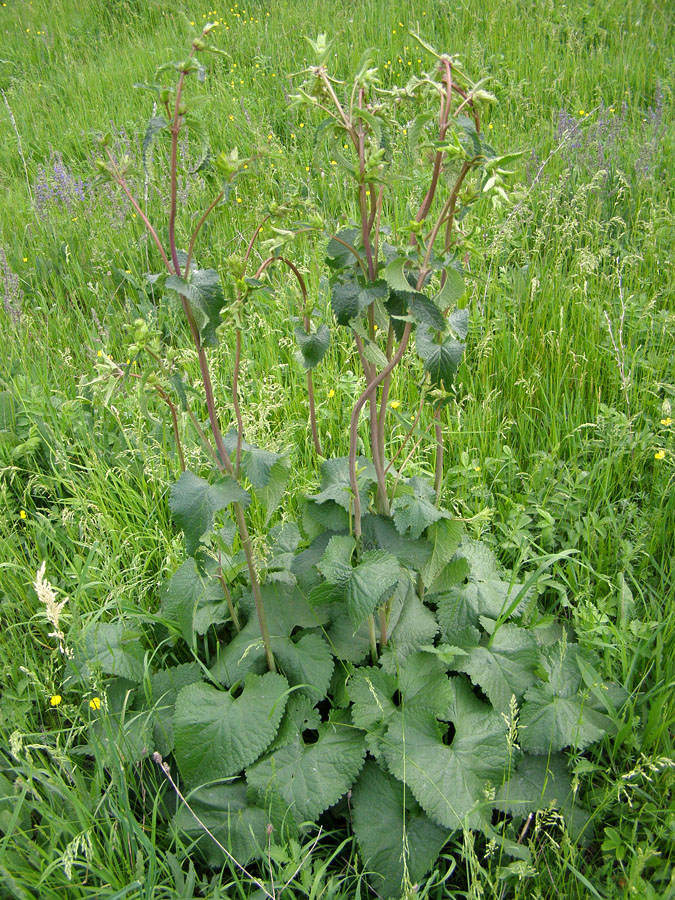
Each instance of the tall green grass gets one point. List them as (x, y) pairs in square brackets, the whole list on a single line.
[(552, 439)]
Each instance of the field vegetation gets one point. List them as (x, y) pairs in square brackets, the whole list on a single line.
[(182, 455)]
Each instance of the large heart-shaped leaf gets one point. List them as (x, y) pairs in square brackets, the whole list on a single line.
[(505, 667), (312, 777), (449, 782), (165, 685), (335, 484), (217, 735), (414, 510), (239, 822), (396, 839)]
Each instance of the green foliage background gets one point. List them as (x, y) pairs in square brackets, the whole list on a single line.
[(557, 430)]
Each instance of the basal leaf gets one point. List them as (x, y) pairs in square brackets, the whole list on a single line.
[(235, 819), (306, 661), (414, 510), (549, 722), (348, 643), (216, 735), (313, 346), (300, 716), (505, 667), (449, 782), (286, 610), (371, 691), (194, 501), (165, 685), (336, 563), (379, 533), (395, 838), (542, 782), (268, 472), (312, 777), (115, 649), (415, 627)]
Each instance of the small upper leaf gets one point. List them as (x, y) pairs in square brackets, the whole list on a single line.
[(204, 294), (395, 276), (349, 298), (452, 290), (313, 345), (441, 360)]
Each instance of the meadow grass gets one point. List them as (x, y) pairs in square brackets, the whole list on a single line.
[(556, 435)]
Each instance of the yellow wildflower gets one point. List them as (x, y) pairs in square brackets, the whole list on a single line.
[(667, 421), (95, 703), (395, 404), (660, 454), (331, 393), (22, 514), (55, 700)]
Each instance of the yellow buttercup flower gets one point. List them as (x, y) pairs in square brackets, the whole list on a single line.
[(667, 421), (22, 514), (55, 700), (395, 404), (95, 703), (331, 393), (660, 454)]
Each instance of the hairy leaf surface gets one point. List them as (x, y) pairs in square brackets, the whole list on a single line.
[(395, 837), (194, 502), (449, 782), (216, 735), (312, 777)]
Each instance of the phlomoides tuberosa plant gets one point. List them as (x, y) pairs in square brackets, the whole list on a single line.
[(462, 697), (203, 301), (401, 269)]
